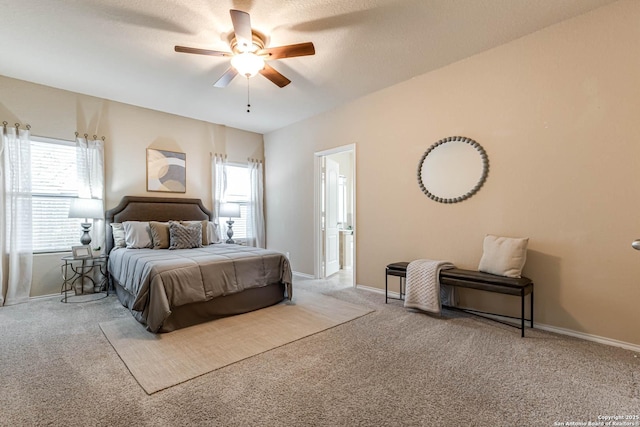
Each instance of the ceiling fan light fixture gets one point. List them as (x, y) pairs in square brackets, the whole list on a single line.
[(248, 52), (247, 63)]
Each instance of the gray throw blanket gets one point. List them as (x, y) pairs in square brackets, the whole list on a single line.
[(423, 285)]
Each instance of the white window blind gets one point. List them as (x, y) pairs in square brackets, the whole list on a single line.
[(54, 183)]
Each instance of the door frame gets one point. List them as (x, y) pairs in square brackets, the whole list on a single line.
[(318, 271)]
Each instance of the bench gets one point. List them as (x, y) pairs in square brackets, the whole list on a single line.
[(473, 280)]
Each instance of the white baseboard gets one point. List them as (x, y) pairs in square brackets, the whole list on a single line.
[(377, 290), (589, 337), (303, 275), (50, 296), (549, 328), (572, 333)]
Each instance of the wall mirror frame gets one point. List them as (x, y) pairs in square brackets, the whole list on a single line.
[(469, 179)]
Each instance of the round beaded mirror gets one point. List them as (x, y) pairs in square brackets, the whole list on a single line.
[(453, 169)]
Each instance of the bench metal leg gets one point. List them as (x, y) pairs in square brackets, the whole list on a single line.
[(386, 284), (531, 308), (403, 281), (522, 315)]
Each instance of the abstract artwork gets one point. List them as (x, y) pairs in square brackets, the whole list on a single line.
[(166, 171)]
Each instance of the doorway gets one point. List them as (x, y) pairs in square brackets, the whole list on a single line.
[(334, 214)]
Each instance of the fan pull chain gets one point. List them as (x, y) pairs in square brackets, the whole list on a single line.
[(248, 96)]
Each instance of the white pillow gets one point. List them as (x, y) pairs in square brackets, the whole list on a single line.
[(118, 235), (503, 256), (137, 234)]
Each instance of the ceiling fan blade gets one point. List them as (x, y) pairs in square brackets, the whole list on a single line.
[(289, 51), (226, 78), (185, 49), (269, 72), (242, 29)]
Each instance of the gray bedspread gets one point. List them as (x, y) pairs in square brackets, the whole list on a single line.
[(160, 278)]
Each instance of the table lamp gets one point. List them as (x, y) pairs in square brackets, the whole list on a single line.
[(229, 210), (86, 208)]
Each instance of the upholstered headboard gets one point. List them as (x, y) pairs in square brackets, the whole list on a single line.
[(138, 208)]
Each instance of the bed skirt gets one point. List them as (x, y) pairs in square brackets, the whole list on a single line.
[(223, 306)]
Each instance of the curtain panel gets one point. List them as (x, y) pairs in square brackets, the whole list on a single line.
[(90, 161), (219, 186), (255, 213), (16, 243)]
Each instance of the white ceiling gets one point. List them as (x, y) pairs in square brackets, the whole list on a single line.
[(123, 49)]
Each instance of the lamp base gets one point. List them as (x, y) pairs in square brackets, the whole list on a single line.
[(230, 232), (85, 239)]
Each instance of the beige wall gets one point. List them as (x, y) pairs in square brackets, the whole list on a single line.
[(558, 114), (129, 131)]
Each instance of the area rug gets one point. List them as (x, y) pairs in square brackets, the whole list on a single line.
[(159, 361)]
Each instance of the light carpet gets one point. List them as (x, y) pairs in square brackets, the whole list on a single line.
[(159, 361)]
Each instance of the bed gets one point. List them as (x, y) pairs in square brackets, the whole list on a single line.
[(171, 289)]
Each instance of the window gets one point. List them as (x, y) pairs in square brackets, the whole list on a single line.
[(239, 191), (54, 183)]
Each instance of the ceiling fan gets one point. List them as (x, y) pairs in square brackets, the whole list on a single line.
[(249, 52)]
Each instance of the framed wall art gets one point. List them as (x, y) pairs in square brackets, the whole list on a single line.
[(166, 171)]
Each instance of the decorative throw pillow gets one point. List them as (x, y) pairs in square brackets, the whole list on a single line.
[(503, 256), (136, 234), (203, 224), (118, 235), (185, 236), (159, 234)]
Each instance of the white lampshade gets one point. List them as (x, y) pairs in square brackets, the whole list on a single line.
[(230, 210), (86, 208), (247, 64)]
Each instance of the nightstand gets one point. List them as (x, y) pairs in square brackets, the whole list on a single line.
[(87, 278)]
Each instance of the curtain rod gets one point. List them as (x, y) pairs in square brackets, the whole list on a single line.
[(249, 159), (87, 136)]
